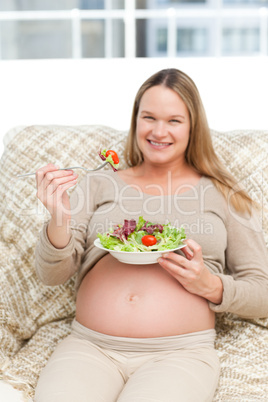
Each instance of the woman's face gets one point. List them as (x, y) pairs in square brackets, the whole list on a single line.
[(163, 126)]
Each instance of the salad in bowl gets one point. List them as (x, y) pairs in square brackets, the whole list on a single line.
[(141, 242)]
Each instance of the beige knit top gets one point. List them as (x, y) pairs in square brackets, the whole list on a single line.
[(232, 244)]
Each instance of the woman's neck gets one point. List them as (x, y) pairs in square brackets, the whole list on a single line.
[(159, 173), (151, 179)]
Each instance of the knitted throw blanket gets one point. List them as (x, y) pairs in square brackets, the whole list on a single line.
[(34, 317)]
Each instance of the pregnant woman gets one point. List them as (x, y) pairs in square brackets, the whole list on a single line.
[(145, 333)]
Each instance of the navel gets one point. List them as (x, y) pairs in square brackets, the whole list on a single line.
[(132, 298)]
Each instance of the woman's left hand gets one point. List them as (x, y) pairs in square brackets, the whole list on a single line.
[(191, 272)]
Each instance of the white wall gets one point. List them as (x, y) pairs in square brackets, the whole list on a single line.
[(101, 91)]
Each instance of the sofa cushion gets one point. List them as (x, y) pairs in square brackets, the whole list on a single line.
[(35, 317)]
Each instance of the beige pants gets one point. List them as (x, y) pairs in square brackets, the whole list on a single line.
[(92, 367)]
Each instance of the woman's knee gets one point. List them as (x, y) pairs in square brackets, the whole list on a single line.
[(78, 371), (185, 376)]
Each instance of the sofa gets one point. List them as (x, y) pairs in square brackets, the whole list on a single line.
[(35, 317)]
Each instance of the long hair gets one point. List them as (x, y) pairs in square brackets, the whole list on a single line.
[(200, 154)]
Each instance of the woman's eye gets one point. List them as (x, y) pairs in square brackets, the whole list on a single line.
[(175, 121), (149, 117)]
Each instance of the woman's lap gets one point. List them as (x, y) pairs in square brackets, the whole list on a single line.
[(80, 371)]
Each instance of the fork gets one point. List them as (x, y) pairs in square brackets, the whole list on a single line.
[(67, 168)]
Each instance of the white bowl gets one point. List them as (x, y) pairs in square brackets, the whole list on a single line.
[(137, 258)]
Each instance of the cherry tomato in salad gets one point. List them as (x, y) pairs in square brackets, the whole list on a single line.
[(148, 240), (113, 155)]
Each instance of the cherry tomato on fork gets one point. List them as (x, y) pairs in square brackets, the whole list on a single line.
[(148, 240), (113, 155)]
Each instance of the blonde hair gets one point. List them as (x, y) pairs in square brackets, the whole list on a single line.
[(200, 154)]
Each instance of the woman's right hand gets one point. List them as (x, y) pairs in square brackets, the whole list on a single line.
[(52, 185)]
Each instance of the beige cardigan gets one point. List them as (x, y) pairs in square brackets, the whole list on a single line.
[(231, 243)]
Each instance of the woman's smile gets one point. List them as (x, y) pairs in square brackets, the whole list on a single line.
[(159, 145)]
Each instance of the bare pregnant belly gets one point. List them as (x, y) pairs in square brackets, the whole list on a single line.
[(138, 301)]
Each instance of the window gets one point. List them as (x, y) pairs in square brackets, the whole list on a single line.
[(240, 41), (93, 38), (132, 28), (177, 2), (36, 39), (189, 41), (192, 41), (162, 40)]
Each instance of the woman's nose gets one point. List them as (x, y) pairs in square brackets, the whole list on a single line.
[(159, 129)]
